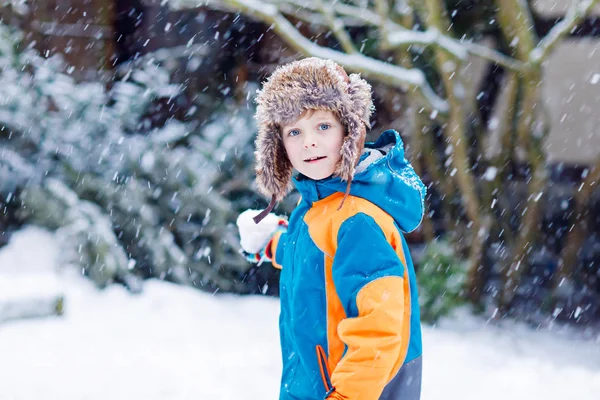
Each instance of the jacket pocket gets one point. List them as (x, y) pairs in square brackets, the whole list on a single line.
[(325, 372)]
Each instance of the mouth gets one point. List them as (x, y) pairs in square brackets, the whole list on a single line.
[(314, 159)]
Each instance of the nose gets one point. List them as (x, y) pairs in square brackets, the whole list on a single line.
[(309, 141)]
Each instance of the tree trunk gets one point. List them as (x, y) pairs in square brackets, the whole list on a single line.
[(433, 12), (567, 262)]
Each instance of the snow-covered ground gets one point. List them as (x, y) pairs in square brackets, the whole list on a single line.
[(177, 343)]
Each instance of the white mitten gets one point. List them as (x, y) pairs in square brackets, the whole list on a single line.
[(255, 237)]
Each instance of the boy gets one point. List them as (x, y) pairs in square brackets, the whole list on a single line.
[(349, 322)]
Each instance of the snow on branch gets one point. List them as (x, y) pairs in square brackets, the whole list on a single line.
[(394, 35), (576, 13), (406, 79), (360, 15), (404, 37), (459, 49), (494, 56)]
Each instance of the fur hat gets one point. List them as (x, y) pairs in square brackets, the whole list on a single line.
[(293, 89)]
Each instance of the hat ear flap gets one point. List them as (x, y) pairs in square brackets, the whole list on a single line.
[(358, 112), (273, 168), (361, 100), (351, 148)]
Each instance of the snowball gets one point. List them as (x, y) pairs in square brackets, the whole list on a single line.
[(253, 236)]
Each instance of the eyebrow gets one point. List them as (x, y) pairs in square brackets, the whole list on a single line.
[(319, 121)]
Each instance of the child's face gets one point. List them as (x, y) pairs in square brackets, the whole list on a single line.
[(313, 143)]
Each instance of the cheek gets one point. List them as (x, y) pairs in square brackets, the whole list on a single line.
[(288, 147), (291, 150), (337, 146)]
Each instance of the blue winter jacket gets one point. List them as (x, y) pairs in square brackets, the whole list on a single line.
[(349, 321)]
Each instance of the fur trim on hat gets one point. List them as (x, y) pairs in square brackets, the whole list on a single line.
[(293, 89)]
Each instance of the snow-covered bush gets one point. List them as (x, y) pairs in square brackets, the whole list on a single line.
[(441, 276), (129, 200)]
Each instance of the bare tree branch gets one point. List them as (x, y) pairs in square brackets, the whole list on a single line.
[(398, 36), (516, 23), (575, 14), (589, 27), (337, 26), (312, 17), (405, 79), (494, 56), (460, 49), (383, 11), (357, 13)]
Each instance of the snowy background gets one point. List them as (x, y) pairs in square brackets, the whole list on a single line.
[(126, 153), (173, 342)]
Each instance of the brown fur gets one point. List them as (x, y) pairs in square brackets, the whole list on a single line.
[(291, 91)]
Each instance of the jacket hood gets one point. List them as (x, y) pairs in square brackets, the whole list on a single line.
[(383, 176)]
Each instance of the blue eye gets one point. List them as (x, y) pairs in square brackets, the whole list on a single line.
[(294, 132), (326, 126)]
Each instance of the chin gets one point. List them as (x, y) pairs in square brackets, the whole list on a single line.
[(318, 176), (316, 172)]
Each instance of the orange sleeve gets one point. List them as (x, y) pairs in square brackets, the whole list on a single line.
[(376, 341), (273, 249)]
